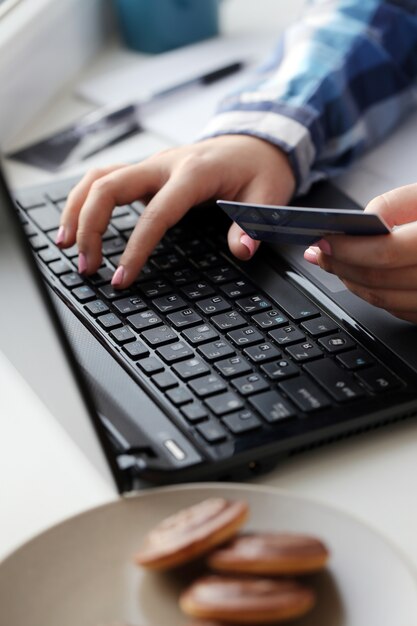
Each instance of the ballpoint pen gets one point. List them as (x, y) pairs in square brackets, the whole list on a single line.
[(108, 125)]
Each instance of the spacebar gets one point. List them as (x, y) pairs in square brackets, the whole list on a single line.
[(290, 300)]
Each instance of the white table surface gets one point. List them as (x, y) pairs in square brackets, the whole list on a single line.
[(44, 478)]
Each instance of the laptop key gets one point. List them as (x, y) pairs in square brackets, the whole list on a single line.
[(144, 320), (238, 288), (60, 267), (216, 350), (110, 293), (109, 321), (336, 381), (124, 222), (167, 262), (192, 368), (123, 209), (280, 370), (234, 366), (147, 273), (250, 384), (305, 394), (113, 246), (270, 319), (180, 396), (212, 431), (337, 343), (306, 351), (355, 359), (184, 319), (60, 193), (226, 321), (292, 301), (287, 335), (175, 352), (245, 336), (155, 288), (96, 307), (71, 280), (319, 326), (136, 350), (151, 365), (166, 304), (72, 253), (165, 381), (213, 305), (194, 412), (28, 199), (200, 334), (109, 233), (262, 353), (241, 422), (191, 246), (224, 403), (272, 406), (103, 275), (28, 228), (49, 254), (183, 276), (207, 385), (197, 289), (122, 335), (39, 242), (132, 304), (160, 248), (84, 293), (254, 304), (206, 260), (378, 379), (222, 274), (46, 217), (115, 259), (159, 336)]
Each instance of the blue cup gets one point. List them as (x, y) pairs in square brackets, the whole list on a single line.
[(161, 25)]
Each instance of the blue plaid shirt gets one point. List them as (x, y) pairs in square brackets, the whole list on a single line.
[(340, 79)]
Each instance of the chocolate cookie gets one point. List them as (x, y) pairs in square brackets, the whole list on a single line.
[(246, 600), (191, 533), (270, 554)]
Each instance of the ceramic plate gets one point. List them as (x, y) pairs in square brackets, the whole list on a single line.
[(81, 572)]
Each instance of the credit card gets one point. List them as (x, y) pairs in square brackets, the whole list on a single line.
[(301, 225)]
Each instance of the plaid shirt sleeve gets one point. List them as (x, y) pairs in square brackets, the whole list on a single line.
[(339, 80)]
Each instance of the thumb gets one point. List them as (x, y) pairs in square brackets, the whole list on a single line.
[(240, 244), (398, 206)]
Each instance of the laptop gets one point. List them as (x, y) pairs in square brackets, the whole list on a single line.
[(206, 367)]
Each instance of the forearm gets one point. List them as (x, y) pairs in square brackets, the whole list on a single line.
[(342, 78)]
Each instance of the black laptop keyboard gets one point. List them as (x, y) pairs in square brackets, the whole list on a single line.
[(228, 359)]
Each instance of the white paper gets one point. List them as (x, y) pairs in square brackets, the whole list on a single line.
[(181, 116)]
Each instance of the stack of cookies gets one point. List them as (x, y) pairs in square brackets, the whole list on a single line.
[(251, 574)]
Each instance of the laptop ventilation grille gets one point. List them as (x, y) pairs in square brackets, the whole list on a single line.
[(352, 433)]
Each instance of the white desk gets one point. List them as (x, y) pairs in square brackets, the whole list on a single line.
[(371, 476)]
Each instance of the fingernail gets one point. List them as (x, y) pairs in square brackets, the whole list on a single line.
[(249, 243), (82, 263), (118, 276), (324, 246), (60, 236), (311, 255)]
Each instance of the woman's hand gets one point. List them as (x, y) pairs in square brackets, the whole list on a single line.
[(383, 269), (233, 167)]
